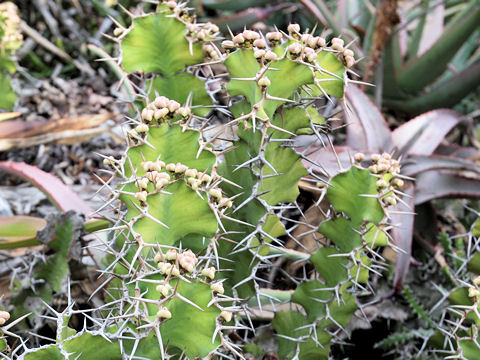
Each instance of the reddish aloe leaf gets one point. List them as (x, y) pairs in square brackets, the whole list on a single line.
[(403, 234), (454, 150), (367, 130), (63, 198), (419, 163), (323, 160), (19, 231), (436, 184), (423, 134)]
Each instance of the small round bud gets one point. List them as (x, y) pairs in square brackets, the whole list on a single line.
[(260, 43), (160, 183), (158, 257), (141, 196), (226, 315), (258, 53), (174, 271), (274, 36), (147, 165), (398, 182), (171, 4), (293, 28), (164, 267), (191, 173), (270, 56), (228, 44), (170, 167), (348, 52), (251, 35), (473, 292), (4, 317), (215, 193), (184, 111), (312, 41), (164, 289), (217, 287), (382, 184), (390, 200), (375, 157), (161, 102), (142, 128), (206, 178), (312, 57), (209, 272), (359, 157), (118, 31), (164, 313), (349, 61), (476, 281), (180, 168), (171, 255), (147, 115), (238, 39), (321, 42), (143, 183), (337, 44), (295, 48), (264, 81), (160, 113), (173, 106)]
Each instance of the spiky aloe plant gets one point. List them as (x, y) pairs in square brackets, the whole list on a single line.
[(207, 198)]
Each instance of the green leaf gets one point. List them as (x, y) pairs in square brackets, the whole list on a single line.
[(184, 212), (172, 145), (312, 297), (8, 98), (19, 231), (178, 87), (341, 232), (331, 84), (87, 346), (331, 268), (191, 329), (157, 44), (470, 349), (345, 194), (53, 271), (287, 323)]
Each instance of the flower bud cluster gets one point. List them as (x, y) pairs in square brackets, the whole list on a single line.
[(4, 317), (474, 291), (202, 32), (211, 52), (385, 168), (11, 38), (167, 263), (162, 109)]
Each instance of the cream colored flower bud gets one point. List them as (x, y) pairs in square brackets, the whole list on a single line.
[(293, 28), (321, 42), (164, 267), (180, 168), (141, 196), (312, 57), (390, 200), (173, 106), (209, 272), (171, 4), (118, 31), (214, 28), (206, 178), (375, 157), (195, 184), (264, 81), (473, 292), (238, 39), (250, 35), (147, 115), (258, 53), (161, 102), (160, 183), (312, 41), (215, 193), (164, 313), (174, 271), (337, 44), (143, 183), (191, 173), (171, 255), (160, 113), (398, 182), (4, 317), (270, 56), (349, 61), (164, 289), (274, 36), (217, 287), (170, 167), (348, 52), (184, 111), (142, 128), (158, 257), (260, 43), (207, 48), (476, 281), (226, 315), (381, 183), (359, 157), (228, 44), (295, 48)]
